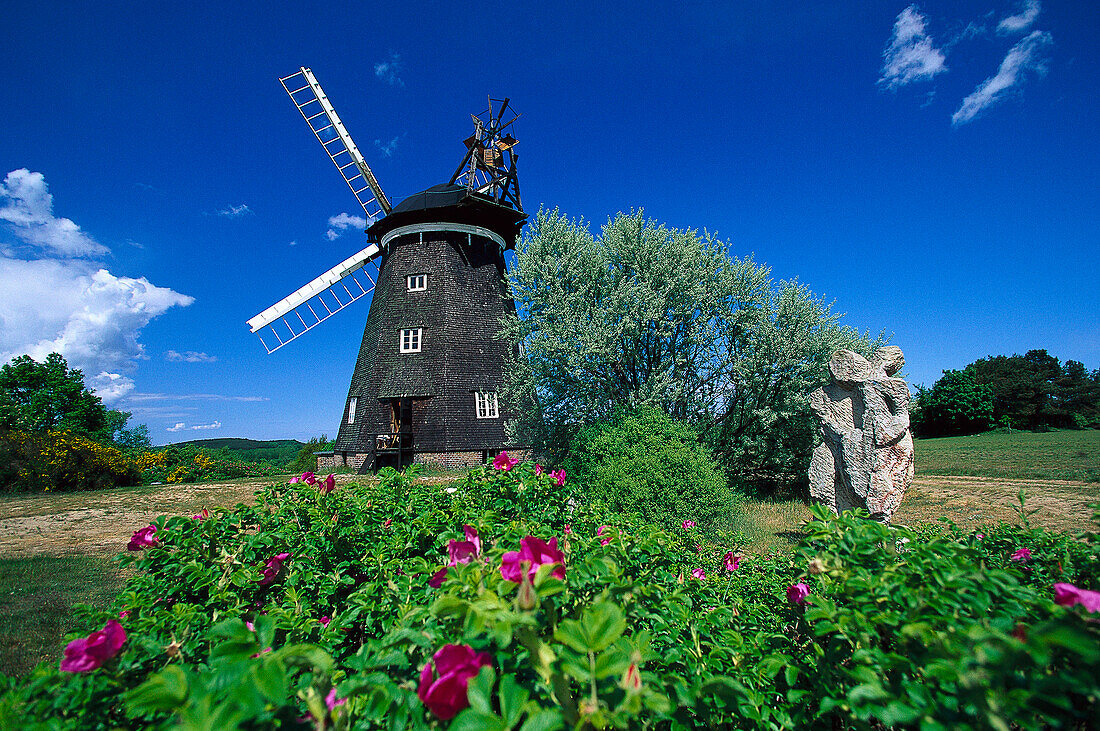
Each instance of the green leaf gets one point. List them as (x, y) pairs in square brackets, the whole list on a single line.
[(472, 720), (543, 720), (571, 633), (480, 690), (512, 699), (163, 691)]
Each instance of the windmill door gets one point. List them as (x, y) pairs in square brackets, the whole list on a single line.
[(395, 447)]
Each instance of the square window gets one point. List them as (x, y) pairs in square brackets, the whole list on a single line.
[(410, 340), (417, 282), (485, 403)]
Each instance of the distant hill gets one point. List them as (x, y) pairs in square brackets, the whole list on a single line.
[(276, 451)]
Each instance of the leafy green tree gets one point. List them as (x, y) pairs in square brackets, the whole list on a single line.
[(645, 315), (956, 404), (306, 461), (39, 397)]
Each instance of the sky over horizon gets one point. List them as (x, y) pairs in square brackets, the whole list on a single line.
[(929, 167)]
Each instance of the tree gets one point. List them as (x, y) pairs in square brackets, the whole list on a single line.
[(49, 396), (956, 404), (649, 316)]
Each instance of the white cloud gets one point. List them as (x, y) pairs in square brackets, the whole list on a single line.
[(1020, 21), (189, 356), (54, 302), (27, 206), (145, 397), (1027, 55), (235, 211), (387, 148), (338, 224), (910, 55), (388, 71), (110, 386), (293, 243), (180, 426)]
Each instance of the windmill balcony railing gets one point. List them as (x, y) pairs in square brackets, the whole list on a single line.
[(393, 441)]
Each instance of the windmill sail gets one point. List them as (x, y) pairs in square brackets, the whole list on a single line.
[(309, 306), (322, 119)]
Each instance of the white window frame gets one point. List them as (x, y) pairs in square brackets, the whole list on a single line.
[(486, 405), (416, 282), (411, 339), (351, 409)]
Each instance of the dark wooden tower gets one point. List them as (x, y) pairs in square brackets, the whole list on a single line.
[(427, 383)]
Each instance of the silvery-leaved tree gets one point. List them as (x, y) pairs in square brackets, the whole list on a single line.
[(648, 315)]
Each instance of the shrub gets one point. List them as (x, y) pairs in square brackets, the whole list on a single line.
[(389, 606), (62, 460), (647, 464)]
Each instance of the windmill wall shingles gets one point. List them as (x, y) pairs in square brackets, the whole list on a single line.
[(459, 315)]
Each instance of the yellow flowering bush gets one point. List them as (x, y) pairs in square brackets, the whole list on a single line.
[(61, 460)]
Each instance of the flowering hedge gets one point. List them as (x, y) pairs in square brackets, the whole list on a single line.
[(61, 460), (497, 606)]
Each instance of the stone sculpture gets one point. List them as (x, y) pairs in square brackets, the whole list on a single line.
[(866, 459)]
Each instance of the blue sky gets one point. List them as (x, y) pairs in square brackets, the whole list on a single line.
[(931, 167)]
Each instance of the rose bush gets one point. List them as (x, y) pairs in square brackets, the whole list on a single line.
[(896, 627)]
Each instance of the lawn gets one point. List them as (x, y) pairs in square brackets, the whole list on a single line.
[(36, 599), (1055, 455)]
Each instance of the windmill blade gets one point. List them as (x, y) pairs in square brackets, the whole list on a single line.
[(309, 306), (306, 93)]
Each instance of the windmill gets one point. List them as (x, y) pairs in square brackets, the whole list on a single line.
[(426, 382)]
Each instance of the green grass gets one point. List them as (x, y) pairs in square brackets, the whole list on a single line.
[(36, 600), (1056, 455)]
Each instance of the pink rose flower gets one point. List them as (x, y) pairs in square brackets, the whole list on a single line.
[(797, 593), (201, 516), (458, 552), (332, 702), (558, 477), (699, 574), (1069, 595), (327, 485), (536, 552), (325, 621), (731, 561), (309, 478), (124, 614), (567, 530), (388, 523), (1022, 555), (272, 567), (599, 532), (88, 653), (443, 680), (688, 524), (143, 538), (504, 462), (538, 470)]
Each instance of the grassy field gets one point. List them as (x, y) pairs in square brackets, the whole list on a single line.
[(1056, 455), (37, 595)]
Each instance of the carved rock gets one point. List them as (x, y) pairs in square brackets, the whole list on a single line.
[(866, 457)]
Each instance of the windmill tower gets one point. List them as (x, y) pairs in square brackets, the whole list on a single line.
[(427, 380)]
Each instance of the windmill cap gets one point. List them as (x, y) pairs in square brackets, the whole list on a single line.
[(452, 204)]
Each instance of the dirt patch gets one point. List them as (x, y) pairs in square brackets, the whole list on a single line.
[(972, 501), (101, 522)]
